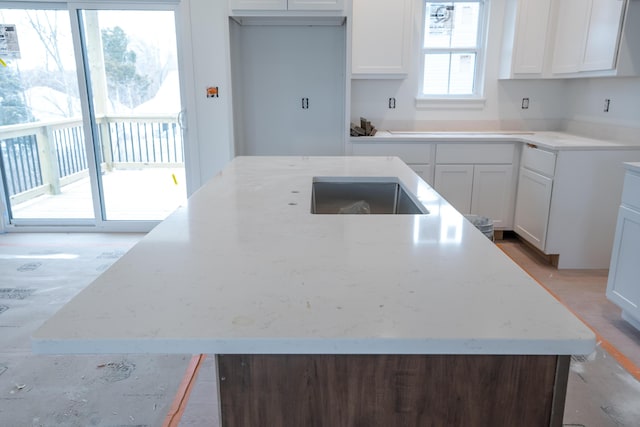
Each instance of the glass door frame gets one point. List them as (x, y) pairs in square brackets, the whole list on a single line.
[(99, 223)]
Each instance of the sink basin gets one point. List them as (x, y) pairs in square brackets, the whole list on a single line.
[(363, 195)]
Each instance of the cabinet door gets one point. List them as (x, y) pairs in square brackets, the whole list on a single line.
[(492, 194), (531, 36), (532, 207), (572, 20), (381, 37), (603, 35), (258, 4), (316, 4), (408, 153), (270, 113), (454, 183), (424, 171), (623, 286)]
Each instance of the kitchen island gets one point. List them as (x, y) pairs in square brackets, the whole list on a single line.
[(340, 320)]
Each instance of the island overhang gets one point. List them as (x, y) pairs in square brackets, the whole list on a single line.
[(245, 267)]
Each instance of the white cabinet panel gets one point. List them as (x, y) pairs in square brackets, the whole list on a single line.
[(258, 4), (381, 38), (270, 115), (603, 35), (424, 171), (538, 160), (571, 30), (408, 153), (623, 286), (532, 207), (492, 194), (455, 153), (316, 4), (455, 184), (527, 46), (587, 35), (418, 157)]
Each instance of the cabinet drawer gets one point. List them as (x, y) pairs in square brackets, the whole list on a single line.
[(631, 190), (408, 153), (453, 153), (541, 161)]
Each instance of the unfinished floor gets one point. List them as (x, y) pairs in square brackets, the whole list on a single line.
[(40, 272)]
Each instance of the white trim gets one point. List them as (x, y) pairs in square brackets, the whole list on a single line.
[(51, 226), (450, 103), (188, 96)]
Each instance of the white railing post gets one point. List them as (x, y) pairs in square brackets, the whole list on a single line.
[(48, 159), (105, 142)]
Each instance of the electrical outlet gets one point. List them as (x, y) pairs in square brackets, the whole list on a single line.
[(607, 103), (392, 103), (525, 103), (212, 92)]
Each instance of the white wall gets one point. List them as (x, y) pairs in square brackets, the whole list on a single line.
[(209, 119), (585, 111)]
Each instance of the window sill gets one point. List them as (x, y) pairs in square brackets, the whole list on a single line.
[(450, 103)]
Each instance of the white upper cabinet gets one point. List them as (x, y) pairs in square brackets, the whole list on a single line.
[(525, 40), (603, 35), (571, 38), (281, 5), (381, 38), (572, 18), (591, 33)]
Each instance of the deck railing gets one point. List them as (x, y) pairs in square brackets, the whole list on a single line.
[(41, 157)]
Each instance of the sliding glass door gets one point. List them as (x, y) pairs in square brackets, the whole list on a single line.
[(91, 138), (134, 93), (44, 165)]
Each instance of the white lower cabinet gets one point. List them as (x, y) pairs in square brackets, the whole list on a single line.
[(475, 178), (424, 171), (455, 184), (623, 287), (418, 156), (484, 190), (532, 207), (478, 179), (492, 194)]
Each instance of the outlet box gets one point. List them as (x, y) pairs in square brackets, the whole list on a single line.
[(525, 103)]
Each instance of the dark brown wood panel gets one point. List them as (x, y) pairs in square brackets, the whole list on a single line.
[(386, 390)]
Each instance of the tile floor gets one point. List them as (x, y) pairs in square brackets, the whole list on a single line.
[(40, 272)]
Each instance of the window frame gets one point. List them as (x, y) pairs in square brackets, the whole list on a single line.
[(474, 99)]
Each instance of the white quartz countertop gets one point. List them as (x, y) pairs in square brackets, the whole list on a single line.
[(550, 140), (633, 166), (245, 267)]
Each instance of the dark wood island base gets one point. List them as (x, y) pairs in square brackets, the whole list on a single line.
[(392, 390)]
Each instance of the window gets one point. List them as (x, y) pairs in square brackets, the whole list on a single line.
[(452, 49)]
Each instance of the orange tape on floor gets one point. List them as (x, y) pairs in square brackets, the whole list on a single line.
[(184, 390), (623, 360)]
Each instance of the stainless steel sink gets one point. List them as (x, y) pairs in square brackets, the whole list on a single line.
[(363, 195)]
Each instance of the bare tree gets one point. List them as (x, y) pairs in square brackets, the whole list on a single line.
[(46, 27)]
